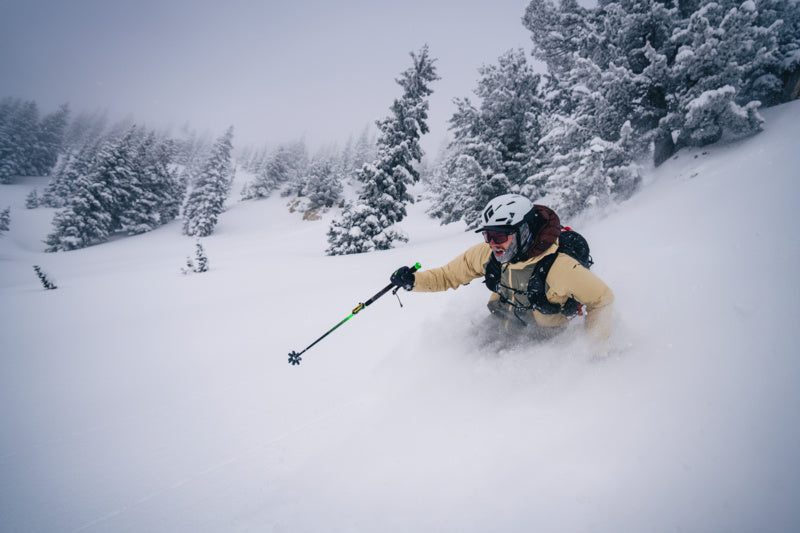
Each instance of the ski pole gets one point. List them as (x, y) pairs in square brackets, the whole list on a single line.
[(294, 357)]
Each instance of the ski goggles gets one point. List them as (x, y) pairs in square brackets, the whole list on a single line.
[(499, 237)]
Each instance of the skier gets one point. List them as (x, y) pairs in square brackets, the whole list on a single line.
[(536, 288)]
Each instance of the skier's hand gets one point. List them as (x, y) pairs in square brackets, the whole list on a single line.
[(403, 277)]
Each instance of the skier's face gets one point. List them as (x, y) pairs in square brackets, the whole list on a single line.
[(498, 248)]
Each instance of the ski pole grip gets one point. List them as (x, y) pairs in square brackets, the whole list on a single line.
[(416, 267)]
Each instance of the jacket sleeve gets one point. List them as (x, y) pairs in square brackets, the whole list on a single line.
[(568, 278), (466, 267)]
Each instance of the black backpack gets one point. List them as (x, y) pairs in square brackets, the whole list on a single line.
[(570, 242), (575, 245)]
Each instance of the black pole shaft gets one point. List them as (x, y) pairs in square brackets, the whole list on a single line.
[(294, 357), (325, 334)]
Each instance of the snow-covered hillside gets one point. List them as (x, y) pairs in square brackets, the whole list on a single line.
[(134, 398)]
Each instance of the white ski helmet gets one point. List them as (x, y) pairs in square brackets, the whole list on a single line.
[(510, 213), (506, 210)]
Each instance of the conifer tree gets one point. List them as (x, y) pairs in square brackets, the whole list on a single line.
[(18, 132), (367, 225), (49, 141), (362, 228), (32, 201), (127, 183), (157, 192), (201, 261), (5, 219), (65, 177), (495, 144), (199, 264), (94, 211), (45, 281), (364, 151), (296, 161), (210, 189), (83, 221), (285, 167), (660, 63), (324, 184), (28, 146), (86, 129)]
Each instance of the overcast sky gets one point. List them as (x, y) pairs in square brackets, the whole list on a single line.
[(275, 70)]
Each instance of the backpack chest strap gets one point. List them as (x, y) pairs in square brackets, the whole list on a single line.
[(535, 291)]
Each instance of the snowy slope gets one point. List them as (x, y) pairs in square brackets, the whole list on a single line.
[(134, 398)]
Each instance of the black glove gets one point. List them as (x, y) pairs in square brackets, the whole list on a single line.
[(403, 277)]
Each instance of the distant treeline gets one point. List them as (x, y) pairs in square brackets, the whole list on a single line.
[(625, 81)]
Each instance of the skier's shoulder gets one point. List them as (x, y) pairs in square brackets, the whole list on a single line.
[(565, 268), (568, 276), (564, 261)]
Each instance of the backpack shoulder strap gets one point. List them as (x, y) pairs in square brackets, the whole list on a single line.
[(493, 273), (537, 287)]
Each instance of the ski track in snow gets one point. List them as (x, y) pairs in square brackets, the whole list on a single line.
[(218, 466)]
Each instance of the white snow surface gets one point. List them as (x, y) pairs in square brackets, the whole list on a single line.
[(134, 398)]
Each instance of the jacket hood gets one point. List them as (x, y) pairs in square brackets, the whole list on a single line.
[(546, 228)]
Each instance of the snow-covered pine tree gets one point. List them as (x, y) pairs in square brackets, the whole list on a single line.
[(381, 204), (18, 133), (157, 191), (6, 109), (49, 141), (191, 150), (86, 129), (721, 47), (347, 157), (5, 219), (664, 60), (83, 221), (170, 189), (323, 185), (462, 187), (285, 166), (601, 171), (199, 264), (361, 228), (210, 189), (94, 210), (584, 140), (782, 18), (271, 172), (28, 146), (714, 113), (201, 261), (364, 151), (511, 104), (64, 178), (295, 161), (495, 145), (32, 201)]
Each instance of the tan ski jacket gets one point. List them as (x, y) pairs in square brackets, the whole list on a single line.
[(566, 279)]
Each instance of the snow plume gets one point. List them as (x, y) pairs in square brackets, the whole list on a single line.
[(137, 399)]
